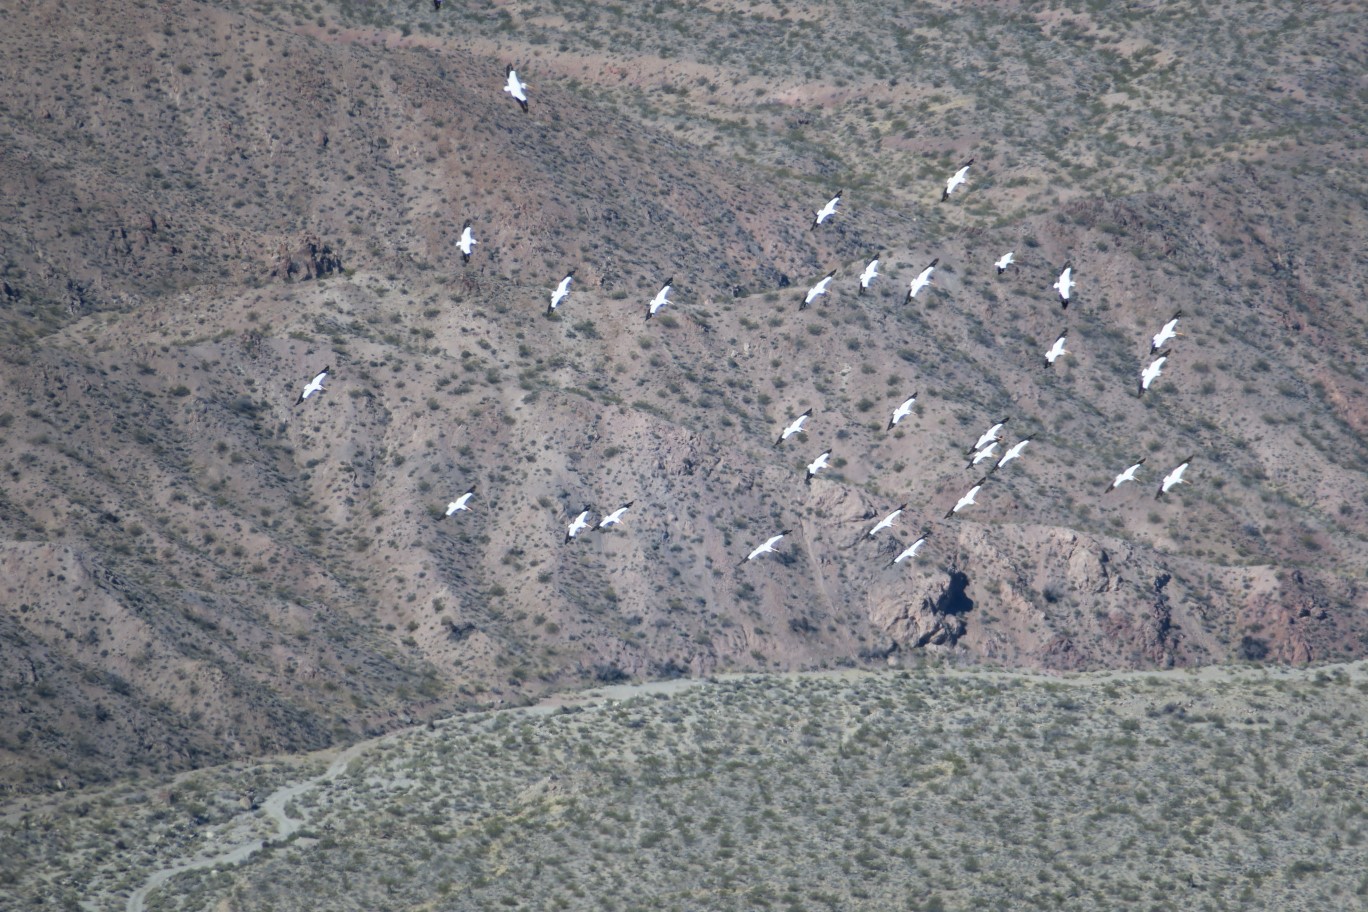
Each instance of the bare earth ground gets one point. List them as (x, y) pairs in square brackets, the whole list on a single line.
[(203, 205)]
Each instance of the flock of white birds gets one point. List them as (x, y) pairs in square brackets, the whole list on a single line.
[(984, 449)]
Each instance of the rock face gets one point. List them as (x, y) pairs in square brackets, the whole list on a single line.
[(1079, 601), (311, 258), (930, 612), (233, 572)]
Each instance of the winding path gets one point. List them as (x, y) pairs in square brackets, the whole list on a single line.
[(274, 806)]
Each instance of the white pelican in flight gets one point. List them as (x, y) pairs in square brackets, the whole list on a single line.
[(1064, 285), (912, 549), (967, 499), (1172, 479), (956, 179), (1013, 453), (1168, 332), (986, 453), (579, 525), (921, 281), (314, 386), (1151, 373), (871, 272), (887, 521), (661, 299), (467, 242), (1057, 350), (816, 291), (796, 427), (768, 547), (614, 518), (1127, 475), (1004, 262), (816, 466), (902, 411), (460, 503), (516, 87), (993, 433), (562, 290), (826, 211)]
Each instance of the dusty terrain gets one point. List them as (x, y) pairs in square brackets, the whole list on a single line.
[(201, 206)]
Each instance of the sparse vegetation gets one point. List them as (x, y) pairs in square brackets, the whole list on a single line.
[(1235, 788)]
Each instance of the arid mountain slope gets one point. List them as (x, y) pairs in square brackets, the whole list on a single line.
[(204, 206)]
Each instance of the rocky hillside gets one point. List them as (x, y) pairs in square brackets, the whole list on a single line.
[(204, 206)]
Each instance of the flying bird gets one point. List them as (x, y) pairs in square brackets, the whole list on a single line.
[(661, 299), (887, 521), (816, 466), (1064, 285), (871, 272), (826, 211), (579, 525), (460, 503), (1127, 475), (768, 547), (1151, 373), (1172, 479), (314, 386), (993, 433), (562, 290), (1013, 453), (985, 453), (1004, 262), (1057, 350), (516, 87), (467, 242), (956, 179), (796, 427), (816, 291), (967, 499), (1168, 332), (912, 549), (921, 281), (902, 411), (614, 518)]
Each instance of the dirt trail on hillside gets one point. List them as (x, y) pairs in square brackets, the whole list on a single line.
[(275, 805)]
